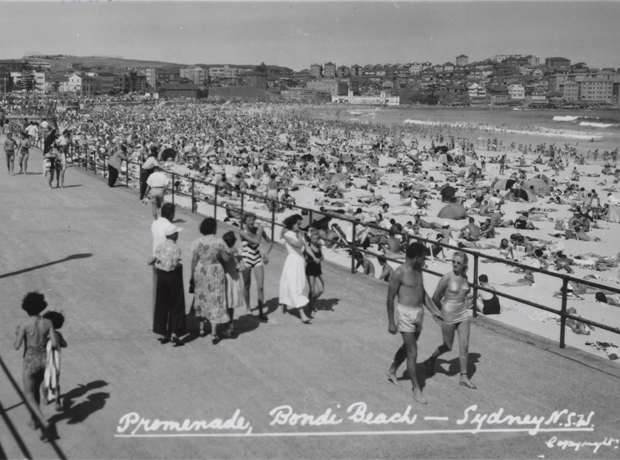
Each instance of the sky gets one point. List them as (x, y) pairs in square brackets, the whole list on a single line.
[(297, 34)]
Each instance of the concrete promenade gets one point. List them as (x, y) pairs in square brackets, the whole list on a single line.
[(85, 248)]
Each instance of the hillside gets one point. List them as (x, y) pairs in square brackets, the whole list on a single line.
[(94, 61), (242, 92)]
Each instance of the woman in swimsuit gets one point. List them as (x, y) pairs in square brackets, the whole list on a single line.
[(251, 238), (35, 332), (314, 273), (451, 294)]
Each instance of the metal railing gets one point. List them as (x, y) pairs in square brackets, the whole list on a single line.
[(9, 423), (354, 247)]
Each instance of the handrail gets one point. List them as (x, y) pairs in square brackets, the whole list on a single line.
[(52, 442), (562, 312)]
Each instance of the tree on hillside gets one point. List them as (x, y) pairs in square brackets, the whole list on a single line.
[(262, 67), (27, 82)]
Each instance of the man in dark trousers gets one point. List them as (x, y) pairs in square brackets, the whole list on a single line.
[(114, 165)]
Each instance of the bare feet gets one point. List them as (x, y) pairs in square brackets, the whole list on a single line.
[(418, 396), (392, 378)]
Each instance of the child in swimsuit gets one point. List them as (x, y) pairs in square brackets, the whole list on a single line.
[(34, 333)]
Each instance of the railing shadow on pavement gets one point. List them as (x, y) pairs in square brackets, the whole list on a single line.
[(36, 267)]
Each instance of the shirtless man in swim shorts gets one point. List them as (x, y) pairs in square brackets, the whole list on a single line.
[(406, 315)]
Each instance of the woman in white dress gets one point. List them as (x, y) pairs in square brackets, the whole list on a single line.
[(293, 279)]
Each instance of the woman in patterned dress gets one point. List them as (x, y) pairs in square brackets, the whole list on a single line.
[(209, 255)]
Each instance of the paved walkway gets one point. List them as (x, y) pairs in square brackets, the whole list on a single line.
[(85, 248)]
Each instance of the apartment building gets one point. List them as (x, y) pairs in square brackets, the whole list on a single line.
[(151, 77), (316, 70), (331, 86), (329, 71), (462, 60)]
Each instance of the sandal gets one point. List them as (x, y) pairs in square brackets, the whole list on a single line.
[(466, 384)]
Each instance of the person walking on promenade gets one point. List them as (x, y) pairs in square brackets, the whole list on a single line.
[(234, 280), (24, 153), (253, 259), (34, 333), (293, 280), (209, 254), (155, 187), (50, 166), (60, 166), (114, 164), (9, 149), (314, 273), (51, 378), (146, 170), (158, 230), (451, 294), (407, 314), (169, 315)]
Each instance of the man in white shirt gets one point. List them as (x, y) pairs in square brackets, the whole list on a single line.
[(155, 186), (159, 228)]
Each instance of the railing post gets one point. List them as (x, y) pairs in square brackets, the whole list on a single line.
[(193, 197), (127, 173), (273, 222), (242, 212), (215, 203), (474, 304), (563, 317), (353, 252), (173, 188)]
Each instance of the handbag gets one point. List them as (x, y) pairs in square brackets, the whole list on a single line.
[(192, 285)]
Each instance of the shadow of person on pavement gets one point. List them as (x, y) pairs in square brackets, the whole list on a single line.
[(454, 367), (326, 304), (77, 413)]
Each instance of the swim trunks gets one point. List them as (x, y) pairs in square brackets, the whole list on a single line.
[(408, 318)]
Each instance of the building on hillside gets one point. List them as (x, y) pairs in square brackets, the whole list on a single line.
[(570, 90), (316, 70), (12, 65), (557, 62), (497, 92), (516, 91), (151, 77), (39, 63), (275, 71), (357, 71), (39, 79), (219, 73), (556, 80), (105, 84), (533, 61), (56, 83), (382, 99), (462, 60), (343, 71), (329, 71), (256, 79), (305, 95), (332, 86), (415, 68), (168, 75), (448, 67), (596, 90), (181, 90), (6, 82), (82, 85)]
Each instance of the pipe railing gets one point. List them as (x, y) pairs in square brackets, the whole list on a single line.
[(18, 439), (353, 246)]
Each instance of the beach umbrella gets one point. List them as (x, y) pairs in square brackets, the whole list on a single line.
[(453, 211), (543, 177), (307, 157), (441, 148), (539, 185), (504, 184), (336, 178), (523, 194), (445, 158), (447, 193), (614, 214), (168, 154)]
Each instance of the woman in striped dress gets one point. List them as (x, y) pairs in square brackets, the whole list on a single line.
[(253, 259)]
